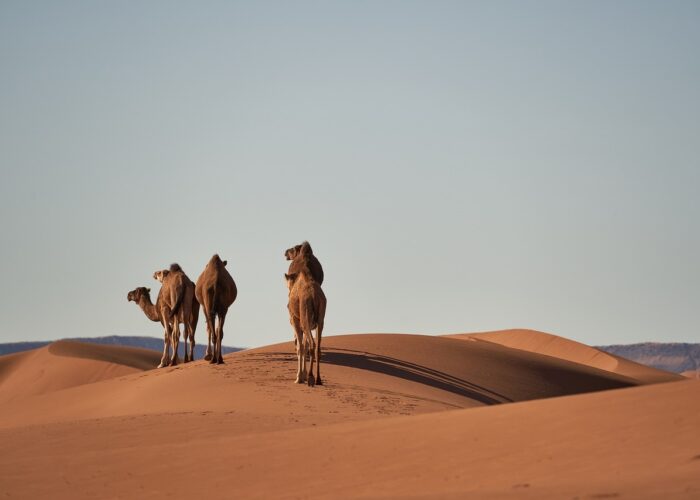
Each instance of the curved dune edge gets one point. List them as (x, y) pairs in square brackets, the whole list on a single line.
[(365, 376), (576, 352), (65, 364), (134, 357)]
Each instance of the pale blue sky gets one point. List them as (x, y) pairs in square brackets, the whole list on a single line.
[(457, 166)]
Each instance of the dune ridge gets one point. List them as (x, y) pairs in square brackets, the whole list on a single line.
[(562, 348), (64, 364)]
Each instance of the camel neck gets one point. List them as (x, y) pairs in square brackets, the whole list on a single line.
[(149, 309)]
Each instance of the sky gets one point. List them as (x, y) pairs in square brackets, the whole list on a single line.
[(456, 166)]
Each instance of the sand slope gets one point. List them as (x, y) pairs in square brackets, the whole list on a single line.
[(562, 348), (65, 364), (376, 428), (366, 376)]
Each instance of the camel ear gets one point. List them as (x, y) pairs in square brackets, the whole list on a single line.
[(291, 277), (148, 290), (224, 263)]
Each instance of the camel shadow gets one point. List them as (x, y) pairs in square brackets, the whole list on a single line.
[(413, 372), (401, 369)]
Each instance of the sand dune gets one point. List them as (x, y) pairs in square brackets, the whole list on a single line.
[(562, 348), (376, 428), (366, 376), (65, 364)]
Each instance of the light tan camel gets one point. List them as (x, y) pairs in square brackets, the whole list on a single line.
[(173, 299), (294, 267), (216, 291), (142, 297), (188, 316), (307, 310)]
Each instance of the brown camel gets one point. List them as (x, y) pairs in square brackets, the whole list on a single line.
[(154, 312), (216, 291), (313, 264), (307, 310), (188, 316)]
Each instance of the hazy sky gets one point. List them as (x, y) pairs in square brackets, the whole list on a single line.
[(456, 166)]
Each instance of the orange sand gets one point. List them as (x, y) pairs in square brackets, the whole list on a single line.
[(398, 415)]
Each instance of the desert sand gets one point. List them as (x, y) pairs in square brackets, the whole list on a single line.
[(495, 415)]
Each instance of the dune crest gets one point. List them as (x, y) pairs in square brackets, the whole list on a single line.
[(64, 364), (570, 350)]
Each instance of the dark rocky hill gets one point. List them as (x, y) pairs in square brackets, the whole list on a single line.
[(672, 357)]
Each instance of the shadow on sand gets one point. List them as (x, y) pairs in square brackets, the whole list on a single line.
[(401, 369)]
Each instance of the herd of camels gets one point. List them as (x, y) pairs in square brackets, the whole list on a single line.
[(179, 300)]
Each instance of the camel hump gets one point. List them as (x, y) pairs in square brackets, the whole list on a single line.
[(175, 267), (306, 249)]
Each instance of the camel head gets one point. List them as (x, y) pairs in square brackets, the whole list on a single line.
[(161, 275), (290, 253), (136, 294), (216, 260)]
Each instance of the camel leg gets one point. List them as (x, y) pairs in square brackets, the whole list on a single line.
[(166, 343), (299, 347), (190, 334), (175, 340), (185, 340), (207, 354), (319, 331), (310, 380), (220, 338), (211, 328), (301, 361)]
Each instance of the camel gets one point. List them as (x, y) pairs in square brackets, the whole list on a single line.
[(154, 312), (313, 264), (187, 316), (307, 310), (172, 298), (294, 267), (216, 291)]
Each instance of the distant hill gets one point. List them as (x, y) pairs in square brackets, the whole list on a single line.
[(143, 342), (672, 357)]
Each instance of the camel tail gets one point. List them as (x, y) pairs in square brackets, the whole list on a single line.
[(210, 296), (176, 306), (309, 314)]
